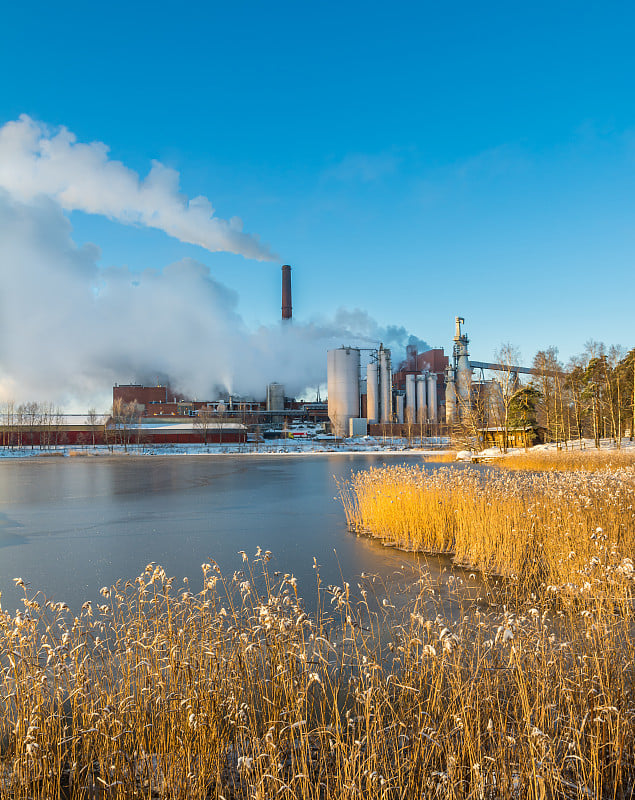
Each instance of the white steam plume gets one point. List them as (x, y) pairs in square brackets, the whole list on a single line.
[(35, 161), (70, 329)]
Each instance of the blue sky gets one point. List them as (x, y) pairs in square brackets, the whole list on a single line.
[(413, 160)]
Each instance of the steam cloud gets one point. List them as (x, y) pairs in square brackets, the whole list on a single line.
[(69, 329), (34, 161)]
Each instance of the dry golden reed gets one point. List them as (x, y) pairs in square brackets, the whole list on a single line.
[(445, 457), (573, 458), (552, 530), (235, 692)]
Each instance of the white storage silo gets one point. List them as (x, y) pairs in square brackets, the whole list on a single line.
[(342, 366), (422, 411), (372, 396), (275, 397), (400, 406), (385, 385), (411, 398), (432, 397)]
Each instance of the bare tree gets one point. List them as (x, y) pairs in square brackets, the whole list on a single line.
[(546, 365), (471, 419), (574, 382), (29, 419), (220, 420), (93, 419), (125, 422), (9, 425), (203, 422), (508, 356)]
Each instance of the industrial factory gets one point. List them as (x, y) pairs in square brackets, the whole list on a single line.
[(382, 401), (427, 392), (425, 395)]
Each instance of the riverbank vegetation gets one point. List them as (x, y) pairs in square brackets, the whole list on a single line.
[(570, 532), (574, 457), (590, 398), (593, 395), (235, 692)]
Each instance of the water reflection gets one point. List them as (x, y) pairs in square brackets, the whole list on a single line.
[(69, 526)]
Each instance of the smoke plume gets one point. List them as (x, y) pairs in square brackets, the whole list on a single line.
[(70, 329), (35, 161)]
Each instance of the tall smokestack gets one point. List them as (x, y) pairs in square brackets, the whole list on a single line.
[(286, 292)]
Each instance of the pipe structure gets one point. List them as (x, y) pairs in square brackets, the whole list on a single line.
[(511, 368), (287, 310)]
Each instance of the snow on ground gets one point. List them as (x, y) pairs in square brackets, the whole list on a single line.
[(586, 446), (427, 446), (269, 447)]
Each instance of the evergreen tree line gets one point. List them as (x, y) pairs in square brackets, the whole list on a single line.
[(591, 397)]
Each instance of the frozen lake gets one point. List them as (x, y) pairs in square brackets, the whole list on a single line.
[(71, 525)]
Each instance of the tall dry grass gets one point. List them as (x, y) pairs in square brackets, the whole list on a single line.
[(554, 532), (234, 692), (590, 459)]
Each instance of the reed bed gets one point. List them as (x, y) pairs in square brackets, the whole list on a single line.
[(589, 459), (445, 457), (235, 692), (570, 533)]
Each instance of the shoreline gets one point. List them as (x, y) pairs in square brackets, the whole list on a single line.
[(26, 454), (438, 451)]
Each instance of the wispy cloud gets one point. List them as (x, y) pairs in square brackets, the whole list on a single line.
[(363, 167), (36, 161)]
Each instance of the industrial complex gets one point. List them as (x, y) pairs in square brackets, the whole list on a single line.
[(427, 394), (382, 401)]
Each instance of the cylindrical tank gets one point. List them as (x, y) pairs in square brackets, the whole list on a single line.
[(400, 406), (275, 397), (432, 397), (450, 397), (422, 411), (372, 396), (411, 398), (342, 367), (385, 385)]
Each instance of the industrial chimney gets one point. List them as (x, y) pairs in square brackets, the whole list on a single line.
[(286, 292)]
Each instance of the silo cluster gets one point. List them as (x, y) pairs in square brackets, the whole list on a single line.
[(384, 404)]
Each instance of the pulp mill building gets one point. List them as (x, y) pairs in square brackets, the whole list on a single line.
[(367, 395), (381, 401)]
